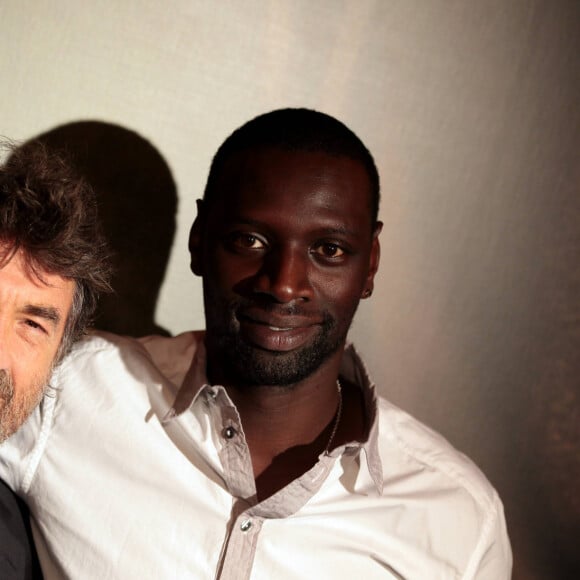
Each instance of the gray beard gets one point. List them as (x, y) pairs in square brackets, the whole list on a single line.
[(12, 415), (6, 397)]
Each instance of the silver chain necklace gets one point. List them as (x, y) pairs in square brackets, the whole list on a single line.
[(336, 418)]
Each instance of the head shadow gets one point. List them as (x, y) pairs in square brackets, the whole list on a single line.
[(137, 200)]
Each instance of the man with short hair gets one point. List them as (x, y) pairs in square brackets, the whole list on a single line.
[(52, 266), (258, 448)]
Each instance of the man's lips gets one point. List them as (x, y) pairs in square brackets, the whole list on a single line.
[(278, 333), (280, 321)]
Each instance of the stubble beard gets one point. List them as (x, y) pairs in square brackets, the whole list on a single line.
[(244, 364), (14, 412)]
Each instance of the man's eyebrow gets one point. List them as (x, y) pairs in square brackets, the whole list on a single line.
[(327, 231), (48, 313), (340, 231)]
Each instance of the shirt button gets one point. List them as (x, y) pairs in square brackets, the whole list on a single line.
[(229, 432), (246, 525)]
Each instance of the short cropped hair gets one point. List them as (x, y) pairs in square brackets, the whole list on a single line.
[(296, 130), (50, 215)]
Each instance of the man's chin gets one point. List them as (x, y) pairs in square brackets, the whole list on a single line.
[(270, 368), (253, 366), (12, 421), (14, 414), (8, 424)]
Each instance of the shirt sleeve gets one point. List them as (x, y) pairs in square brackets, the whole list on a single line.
[(492, 558)]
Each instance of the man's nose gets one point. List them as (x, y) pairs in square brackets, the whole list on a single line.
[(285, 275)]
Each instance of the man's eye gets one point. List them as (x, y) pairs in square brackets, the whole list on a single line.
[(329, 250), (34, 325), (247, 242)]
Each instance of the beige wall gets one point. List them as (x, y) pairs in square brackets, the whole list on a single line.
[(471, 110)]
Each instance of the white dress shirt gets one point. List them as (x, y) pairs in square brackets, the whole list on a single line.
[(135, 467)]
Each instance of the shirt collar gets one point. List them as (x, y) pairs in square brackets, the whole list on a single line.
[(352, 369)]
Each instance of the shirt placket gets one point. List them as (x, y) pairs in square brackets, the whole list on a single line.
[(243, 528), (247, 516), (240, 549)]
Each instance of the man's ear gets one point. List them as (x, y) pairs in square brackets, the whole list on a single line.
[(195, 240), (374, 259)]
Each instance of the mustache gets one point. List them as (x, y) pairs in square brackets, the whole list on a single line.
[(6, 385), (270, 307)]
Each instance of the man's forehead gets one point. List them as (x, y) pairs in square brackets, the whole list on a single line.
[(21, 270), (245, 170), (250, 166), (30, 269)]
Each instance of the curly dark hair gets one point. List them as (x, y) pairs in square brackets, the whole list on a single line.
[(50, 214)]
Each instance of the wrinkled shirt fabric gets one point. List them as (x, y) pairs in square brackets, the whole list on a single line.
[(135, 467)]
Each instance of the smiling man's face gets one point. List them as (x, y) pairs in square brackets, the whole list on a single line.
[(286, 249), (33, 315)]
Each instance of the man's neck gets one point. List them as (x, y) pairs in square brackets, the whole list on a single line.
[(278, 418), (287, 428)]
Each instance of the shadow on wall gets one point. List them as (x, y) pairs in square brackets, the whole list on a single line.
[(138, 203)]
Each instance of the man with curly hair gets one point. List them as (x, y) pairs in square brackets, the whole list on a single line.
[(53, 264)]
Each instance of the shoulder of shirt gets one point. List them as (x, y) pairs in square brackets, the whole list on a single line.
[(87, 351), (158, 348), (416, 443), (433, 452), (99, 340), (171, 356)]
